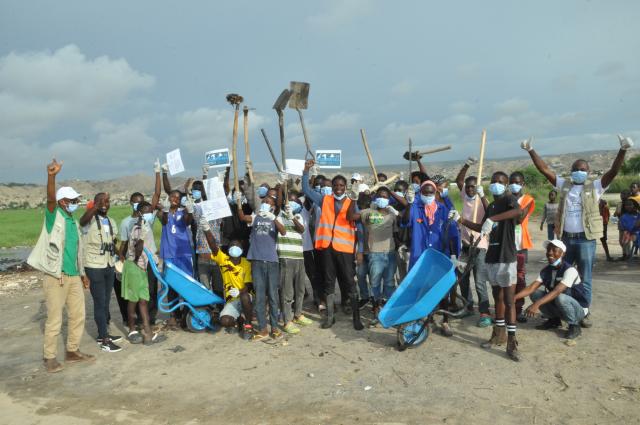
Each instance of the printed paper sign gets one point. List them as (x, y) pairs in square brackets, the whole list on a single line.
[(216, 206), (174, 161), (329, 158), (218, 158), (295, 167), (214, 188)]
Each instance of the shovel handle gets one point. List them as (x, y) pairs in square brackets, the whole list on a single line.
[(247, 154), (236, 183), (483, 143), (366, 149), (282, 151), (309, 153), (273, 156)]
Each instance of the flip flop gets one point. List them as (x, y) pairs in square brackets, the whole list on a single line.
[(259, 337), (156, 338)]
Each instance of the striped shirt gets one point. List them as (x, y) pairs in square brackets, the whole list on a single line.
[(290, 245)]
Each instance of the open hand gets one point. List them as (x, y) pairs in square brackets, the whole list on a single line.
[(85, 281), (532, 310)]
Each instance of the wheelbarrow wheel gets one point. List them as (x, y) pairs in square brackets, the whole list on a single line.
[(199, 321), (412, 334)]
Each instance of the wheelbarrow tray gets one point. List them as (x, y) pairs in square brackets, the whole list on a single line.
[(188, 288), (422, 289)]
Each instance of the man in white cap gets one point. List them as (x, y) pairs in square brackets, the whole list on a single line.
[(557, 293), (356, 184), (58, 254)]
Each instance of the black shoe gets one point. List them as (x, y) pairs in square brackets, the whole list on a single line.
[(363, 303), (109, 346), (113, 338), (330, 319), (573, 332), (549, 324), (586, 322), (521, 318)]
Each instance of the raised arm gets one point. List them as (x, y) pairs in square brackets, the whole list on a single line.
[(165, 182), (91, 212), (52, 170), (539, 162), (155, 199), (314, 196), (607, 178), (463, 172)]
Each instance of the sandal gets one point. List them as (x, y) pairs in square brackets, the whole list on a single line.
[(276, 334), (258, 337), (134, 337), (156, 338)]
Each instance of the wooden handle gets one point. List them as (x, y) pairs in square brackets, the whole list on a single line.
[(410, 161), (434, 150), (247, 154), (306, 137), (273, 156), (483, 142), (366, 149), (284, 160), (236, 183)]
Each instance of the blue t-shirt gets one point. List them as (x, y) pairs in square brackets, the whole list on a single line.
[(263, 240), (628, 222), (176, 236)]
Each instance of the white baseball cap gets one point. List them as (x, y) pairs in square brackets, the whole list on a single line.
[(363, 187), (66, 192), (356, 176), (555, 242)]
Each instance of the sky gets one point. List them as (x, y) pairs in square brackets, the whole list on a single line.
[(108, 87)]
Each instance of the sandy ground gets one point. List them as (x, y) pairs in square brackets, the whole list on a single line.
[(334, 376)]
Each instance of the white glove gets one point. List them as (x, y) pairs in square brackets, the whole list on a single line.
[(487, 227), (314, 171), (527, 145), (288, 211), (625, 142), (237, 196), (454, 215), (458, 263), (470, 161), (165, 168), (205, 170), (392, 210), (480, 191), (156, 165), (411, 194), (234, 292), (166, 205), (268, 215), (282, 177), (189, 204), (203, 224), (248, 165)]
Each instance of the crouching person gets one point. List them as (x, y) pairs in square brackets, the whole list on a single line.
[(557, 293), (236, 280)]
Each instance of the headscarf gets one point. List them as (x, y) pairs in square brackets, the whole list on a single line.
[(430, 210)]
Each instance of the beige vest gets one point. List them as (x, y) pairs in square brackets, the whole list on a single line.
[(92, 239), (591, 218), (49, 250)]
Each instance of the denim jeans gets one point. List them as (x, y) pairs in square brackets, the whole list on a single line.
[(581, 252), (101, 285), (551, 228), (362, 271), (266, 280), (564, 307), (479, 271), (382, 268)]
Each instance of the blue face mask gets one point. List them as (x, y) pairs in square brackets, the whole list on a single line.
[(497, 189), (264, 207), (416, 187), (515, 188), (445, 192), (340, 197), (579, 177), (295, 207), (557, 262), (235, 251), (317, 188), (326, 190), (400, 194), (381, 203), (262, 191), (183, 201), (71, 208), (428, 199), (148, 217), (135, 206), (196, 194)]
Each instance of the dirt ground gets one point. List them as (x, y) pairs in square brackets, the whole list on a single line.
[(336, 376)]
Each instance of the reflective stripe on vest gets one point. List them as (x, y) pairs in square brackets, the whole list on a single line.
[(335, 231)]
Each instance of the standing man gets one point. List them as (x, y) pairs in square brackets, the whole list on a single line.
[(58, 254), (579, 223)]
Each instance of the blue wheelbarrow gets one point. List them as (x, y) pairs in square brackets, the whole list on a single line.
[(411, 307), (197, 299)]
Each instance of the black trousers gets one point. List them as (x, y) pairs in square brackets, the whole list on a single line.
[(339, 265), (101, 285), (312, 267)]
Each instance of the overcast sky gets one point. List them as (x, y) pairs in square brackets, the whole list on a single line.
[(109, 86)]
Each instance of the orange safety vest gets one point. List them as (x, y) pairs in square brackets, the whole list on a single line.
[(524, 200), (335, 231)]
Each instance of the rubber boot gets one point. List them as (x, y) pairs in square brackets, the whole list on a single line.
[(330, 319), (357, 324)]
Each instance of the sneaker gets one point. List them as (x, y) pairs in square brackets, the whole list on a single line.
[(109, 347), (586, 322), (302, 321), (485, 321), (573, 332), (113, 338), (549, 324), (292, 329)]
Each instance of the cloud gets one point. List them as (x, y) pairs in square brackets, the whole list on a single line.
[(338, 13), (427, 131), (41, 89), (319, 132)]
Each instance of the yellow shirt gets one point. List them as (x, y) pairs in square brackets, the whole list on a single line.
[(636, 198), (233, 276)]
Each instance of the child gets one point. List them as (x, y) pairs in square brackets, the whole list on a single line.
[(605, 214), (630, 225), (135, 286), (549, 214), (292, 283), (624, 195), (264, 263), (499, 223)]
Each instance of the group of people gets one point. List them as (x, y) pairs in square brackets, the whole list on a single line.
[(325, 230)]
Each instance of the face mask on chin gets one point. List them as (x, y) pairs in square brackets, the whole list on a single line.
[(339, 197)]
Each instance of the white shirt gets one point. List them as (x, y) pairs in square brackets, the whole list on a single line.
[(573, 204), (569, 278)]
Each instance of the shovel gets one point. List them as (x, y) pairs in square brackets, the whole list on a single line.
[(279, 105), (247, 155), (299, 101), (235, 100)]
